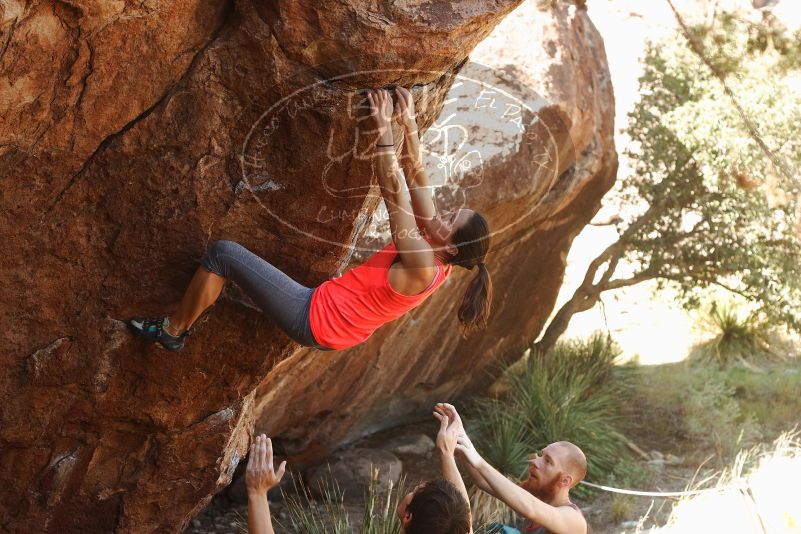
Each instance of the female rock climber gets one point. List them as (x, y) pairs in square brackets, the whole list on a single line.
[(344, 311)]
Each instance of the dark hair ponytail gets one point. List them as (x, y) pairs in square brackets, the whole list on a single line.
[(473, 240)]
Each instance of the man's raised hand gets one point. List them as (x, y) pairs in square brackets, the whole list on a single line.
[(260, 476)]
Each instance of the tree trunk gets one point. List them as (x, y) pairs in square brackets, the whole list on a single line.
[(583, 299)]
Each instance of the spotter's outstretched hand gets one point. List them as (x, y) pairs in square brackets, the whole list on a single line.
[(260, 476)]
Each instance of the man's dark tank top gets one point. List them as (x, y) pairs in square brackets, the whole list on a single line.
[(528, 527)]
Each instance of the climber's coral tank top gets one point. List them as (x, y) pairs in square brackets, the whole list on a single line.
[(344, 311)]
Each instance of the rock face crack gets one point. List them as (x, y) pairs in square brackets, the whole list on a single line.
[(12, 25), (143, 115), (84, 83)]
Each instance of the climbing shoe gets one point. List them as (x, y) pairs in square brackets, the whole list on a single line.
[(152, 329)]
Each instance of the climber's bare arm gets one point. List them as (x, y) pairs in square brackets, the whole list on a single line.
[(412, 160), (415, 252)]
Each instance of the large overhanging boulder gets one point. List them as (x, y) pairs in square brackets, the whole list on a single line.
[(526, 137), (131, 134)]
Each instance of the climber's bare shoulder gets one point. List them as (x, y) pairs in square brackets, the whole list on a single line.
[(417, 265), (410, 280)]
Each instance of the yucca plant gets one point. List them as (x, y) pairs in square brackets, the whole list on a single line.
[(555, 403), (502, 442), (502, 436), (594, 357), (739, 337)]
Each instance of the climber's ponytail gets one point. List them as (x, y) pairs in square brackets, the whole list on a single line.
[(475, 308), (473, 240)]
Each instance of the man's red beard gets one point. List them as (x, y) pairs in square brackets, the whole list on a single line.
[(544, 491)]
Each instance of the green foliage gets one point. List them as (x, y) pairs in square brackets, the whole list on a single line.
[(736, 40), (769, 397), (715, 421), (630, 473), (503, 440), (569, 394), (738, 338), (699, 220), (715, 408)]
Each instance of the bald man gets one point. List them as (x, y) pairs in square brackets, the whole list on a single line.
[(543, 499)]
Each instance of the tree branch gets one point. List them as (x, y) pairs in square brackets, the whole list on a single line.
[(625, 282), (609, 221), (697, 49), (731, 289)]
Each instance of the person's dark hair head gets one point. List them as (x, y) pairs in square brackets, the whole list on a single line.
[(437, 507), (472, 239)]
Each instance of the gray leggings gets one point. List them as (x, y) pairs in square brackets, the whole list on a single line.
[(281, 298)]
